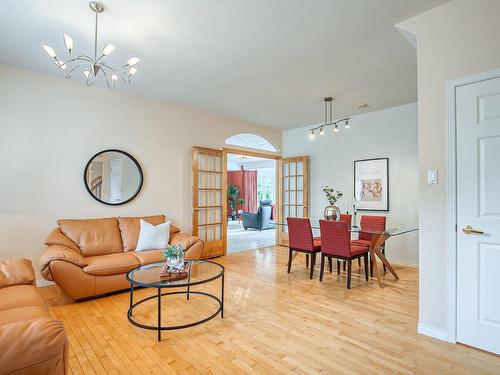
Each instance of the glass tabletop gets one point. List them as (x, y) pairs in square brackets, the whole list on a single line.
[(201, 271), (392, 231)]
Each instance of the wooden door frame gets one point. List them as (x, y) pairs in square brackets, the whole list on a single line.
[(305, 186), (195, 150), (451, 87), (259, 154)]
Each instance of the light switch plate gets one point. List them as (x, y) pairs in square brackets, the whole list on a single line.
[(432, 176)]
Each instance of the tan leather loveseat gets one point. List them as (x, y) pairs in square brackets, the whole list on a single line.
[(31, 341), (90, 257)]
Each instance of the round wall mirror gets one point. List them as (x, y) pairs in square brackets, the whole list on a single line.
[(113, 177)]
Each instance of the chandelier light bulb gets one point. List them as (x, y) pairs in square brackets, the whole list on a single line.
[(336, 128), (86, 73), (132, 71), (68, 42), (50, 51), (311, 135), (321, 131), (347, 126), (114, 77), (61, 64), (108, 48), (132, 61)]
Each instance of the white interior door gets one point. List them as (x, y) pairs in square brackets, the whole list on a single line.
[(115, 181), (478, 206)]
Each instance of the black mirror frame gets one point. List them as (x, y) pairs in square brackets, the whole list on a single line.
[(141, 177)]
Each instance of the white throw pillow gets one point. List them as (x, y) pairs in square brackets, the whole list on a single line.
[(153, 237)]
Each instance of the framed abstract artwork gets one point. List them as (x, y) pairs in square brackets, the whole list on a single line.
[(371, 184)]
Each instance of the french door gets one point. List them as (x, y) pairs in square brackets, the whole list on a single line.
[(209, 200), (478, 214), (293, 193)]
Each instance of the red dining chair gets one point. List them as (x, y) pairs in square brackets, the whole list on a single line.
[(300, 239), (374, 223), (335, 243)]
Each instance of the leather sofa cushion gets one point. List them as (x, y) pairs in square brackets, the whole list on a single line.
[(130, 226), (20, 296), (56, 237), (149, 256), (111, 264), (21, 302), (93, 236), (16, 272)]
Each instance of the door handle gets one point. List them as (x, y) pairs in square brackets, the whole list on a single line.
[(469, 230)]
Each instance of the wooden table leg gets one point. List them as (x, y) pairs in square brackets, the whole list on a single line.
[(375, 267), (377, 241)]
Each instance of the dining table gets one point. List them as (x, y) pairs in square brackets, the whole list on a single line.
[(379, 238)]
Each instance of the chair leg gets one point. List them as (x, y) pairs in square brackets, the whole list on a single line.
[(330, 264), (313, 263), (349, 266), (338, 267), (307, 260), (290, 257), (365, 261), (359, 262), (344, 265), (322, 267), (371, 264)]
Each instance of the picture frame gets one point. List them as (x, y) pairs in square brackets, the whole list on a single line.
[(371, 184)]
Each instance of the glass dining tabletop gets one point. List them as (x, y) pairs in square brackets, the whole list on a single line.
[(391, 231)]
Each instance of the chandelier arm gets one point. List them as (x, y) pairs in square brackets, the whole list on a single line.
[(79, 58), (121, 73), (106, 77), (72, 70)]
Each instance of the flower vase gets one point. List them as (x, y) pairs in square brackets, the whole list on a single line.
[(176, 262), (332, 213)]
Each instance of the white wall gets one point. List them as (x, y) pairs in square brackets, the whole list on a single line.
[(49, 124), (457, 39), (388, 133)]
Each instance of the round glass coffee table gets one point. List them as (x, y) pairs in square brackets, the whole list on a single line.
[(199, 272)]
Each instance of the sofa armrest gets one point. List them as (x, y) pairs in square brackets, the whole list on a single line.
[(37, 346), (185, 239), (59, 252), (193, 246), (16, 272)]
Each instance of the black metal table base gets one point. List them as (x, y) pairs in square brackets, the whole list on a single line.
[(159, 327)]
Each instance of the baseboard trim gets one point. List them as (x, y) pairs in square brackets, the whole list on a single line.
[(437, 333), (407, 263), (42, 282)]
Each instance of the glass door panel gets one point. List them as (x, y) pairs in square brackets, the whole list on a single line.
[(293, 192), (208, 205)]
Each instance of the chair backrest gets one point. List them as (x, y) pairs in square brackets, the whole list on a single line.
[(375, 223), (300, 233), (335, 238), (347, 218)]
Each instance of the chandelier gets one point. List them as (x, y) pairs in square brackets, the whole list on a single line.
[(329, 120), (89, 66)]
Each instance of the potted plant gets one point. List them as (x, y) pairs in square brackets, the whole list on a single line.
[(232, 197), (174, 256), (332, 212)]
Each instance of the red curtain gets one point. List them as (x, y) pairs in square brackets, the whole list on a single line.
[(247, 183), (250, 191)]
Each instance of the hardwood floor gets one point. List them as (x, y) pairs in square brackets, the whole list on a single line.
[(274, 323)]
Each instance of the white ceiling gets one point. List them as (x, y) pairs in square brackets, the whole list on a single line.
[(270, 62)]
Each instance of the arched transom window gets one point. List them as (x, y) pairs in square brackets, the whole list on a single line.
[(251, 141)]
